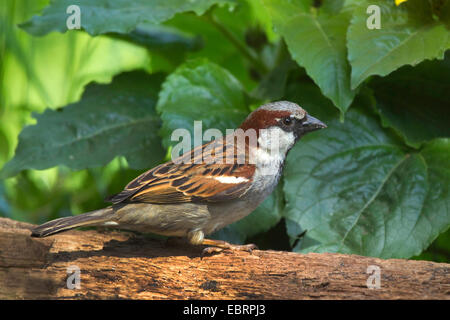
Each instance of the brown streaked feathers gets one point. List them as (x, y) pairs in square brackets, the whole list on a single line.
[(194, 177)]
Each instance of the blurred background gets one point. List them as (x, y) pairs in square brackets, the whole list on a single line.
[(49, 72)]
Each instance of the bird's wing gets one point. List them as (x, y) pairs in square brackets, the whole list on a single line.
[(194, 180)]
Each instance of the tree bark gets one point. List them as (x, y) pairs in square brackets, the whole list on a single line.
[(114, 265)]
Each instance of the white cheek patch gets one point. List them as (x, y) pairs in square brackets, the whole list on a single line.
[(231, 180), (275, 140), (272, 150)]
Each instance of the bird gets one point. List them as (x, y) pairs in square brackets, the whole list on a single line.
[(208, 187)]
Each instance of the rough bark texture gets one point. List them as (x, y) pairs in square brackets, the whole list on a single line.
[(123, 265)]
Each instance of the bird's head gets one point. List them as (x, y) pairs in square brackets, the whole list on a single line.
[(282, 120)]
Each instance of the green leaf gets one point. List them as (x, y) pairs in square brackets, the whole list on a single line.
[(332, 6), (408, 35), (217, 48), (318, 43), (356, 189), (415, 101), (309, 97), (37, 73), (4, 146), (200, 91), (103, 16), (272, 86), (168, 46), (161, 38), (439, 250), (109, 120)]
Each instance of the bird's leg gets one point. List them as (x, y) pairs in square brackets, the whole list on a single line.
[(216, 246)]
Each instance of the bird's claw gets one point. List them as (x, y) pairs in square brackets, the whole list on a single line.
[(234, 247), (211, 250), (244, 247)]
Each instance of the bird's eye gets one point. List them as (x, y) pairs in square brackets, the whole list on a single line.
[(287, 121)]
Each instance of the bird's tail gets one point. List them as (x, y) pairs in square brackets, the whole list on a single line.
[(93, 218)]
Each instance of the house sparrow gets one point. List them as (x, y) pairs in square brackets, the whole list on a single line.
[(207, 188)]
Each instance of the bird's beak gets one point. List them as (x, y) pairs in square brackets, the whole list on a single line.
[(312, 124), (309, 125)]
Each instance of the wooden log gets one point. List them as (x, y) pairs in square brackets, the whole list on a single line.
[(115, 264)]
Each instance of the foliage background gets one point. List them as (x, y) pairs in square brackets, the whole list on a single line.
[(83, 112)]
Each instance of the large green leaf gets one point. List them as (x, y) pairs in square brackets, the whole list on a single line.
[(200, 91), (216, 46), (4, 146), (415, 101), (103, 16), (109, 120), (167, 45), (317, 41), (53, 70), (408, 35), (439, 250), (356, 189), (272, 85), (160, 38)]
